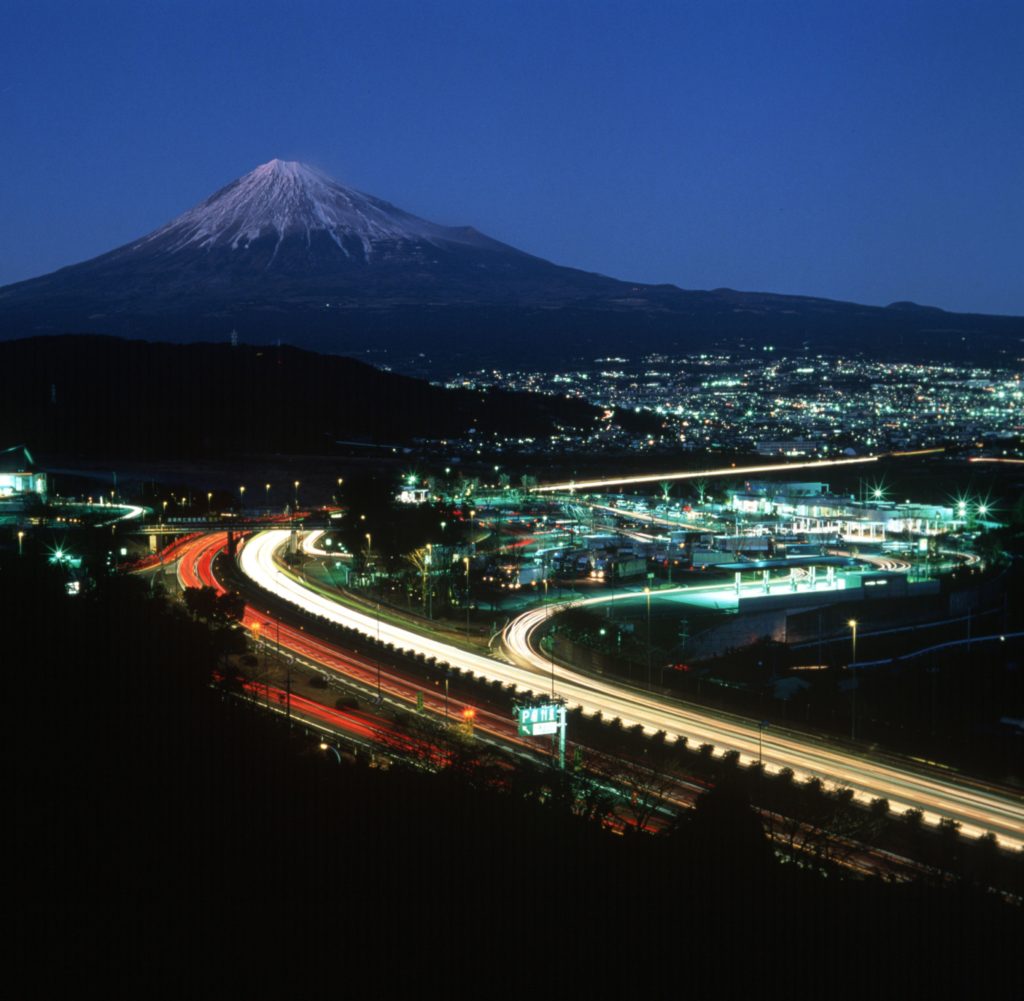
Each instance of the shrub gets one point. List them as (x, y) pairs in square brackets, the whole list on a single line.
[(913, 818)]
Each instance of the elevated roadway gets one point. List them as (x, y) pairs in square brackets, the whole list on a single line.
[(977, 807)]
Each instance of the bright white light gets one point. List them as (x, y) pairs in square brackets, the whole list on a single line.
[(978, 810), (703, 473)]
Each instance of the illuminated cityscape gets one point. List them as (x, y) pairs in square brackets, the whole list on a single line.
[(816, 406)]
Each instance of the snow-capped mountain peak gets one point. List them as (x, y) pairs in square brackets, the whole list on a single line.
[(283, 199)]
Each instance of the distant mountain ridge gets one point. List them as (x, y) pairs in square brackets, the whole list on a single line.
[(286, 253)]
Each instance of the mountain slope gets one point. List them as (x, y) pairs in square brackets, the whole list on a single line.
[(287, 253), (93, 395)]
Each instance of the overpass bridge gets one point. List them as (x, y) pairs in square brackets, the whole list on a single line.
[(219, 523)]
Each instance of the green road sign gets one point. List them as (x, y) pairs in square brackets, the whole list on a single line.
[(535, 721)]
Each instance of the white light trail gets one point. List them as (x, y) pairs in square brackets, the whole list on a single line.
[(128, 511), (978, 809), (310, 547), (700, 473)]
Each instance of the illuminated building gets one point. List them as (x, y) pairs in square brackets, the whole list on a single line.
[(22, 486), (18, 474)]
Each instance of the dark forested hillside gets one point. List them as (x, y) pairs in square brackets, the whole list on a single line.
[(103, 395)]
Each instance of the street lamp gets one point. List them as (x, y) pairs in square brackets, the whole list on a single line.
[(380, 698), (324, 746), (647, 592), (853, 691), (296, 495), (554, 629), (209, 499), (760, 736), (21, 540), (266, 495), (163, 513), (465, 560), (241, 497), (427, 575)]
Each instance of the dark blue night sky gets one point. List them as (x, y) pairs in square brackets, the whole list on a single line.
[(865, 151)]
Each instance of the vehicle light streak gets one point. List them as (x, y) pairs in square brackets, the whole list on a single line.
[(196, 570), (702, 473), (978, 808), (641, 516)]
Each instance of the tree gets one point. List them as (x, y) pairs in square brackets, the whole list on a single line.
[(420, 560), (725, 828), (229, 607), (880, 808), (201, 602), (913, 819), (645, 787)]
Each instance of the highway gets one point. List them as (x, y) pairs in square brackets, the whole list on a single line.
[(195, 569), (978, 808)]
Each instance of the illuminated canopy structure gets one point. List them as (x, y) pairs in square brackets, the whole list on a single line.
[(18, 474)]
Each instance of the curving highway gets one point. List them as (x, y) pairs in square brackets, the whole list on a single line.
[(978, 808)]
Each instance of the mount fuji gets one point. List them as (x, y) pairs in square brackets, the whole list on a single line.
[(287, 253)]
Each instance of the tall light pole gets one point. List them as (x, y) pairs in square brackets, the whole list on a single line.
[(256, 626), (21, 541), (266, 495), (853, 680), (209, 499), (296, 495), (647, 591), (465, 560), (380, 698), (241, 497), (760, 735), (429, 575), (553, 630)]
